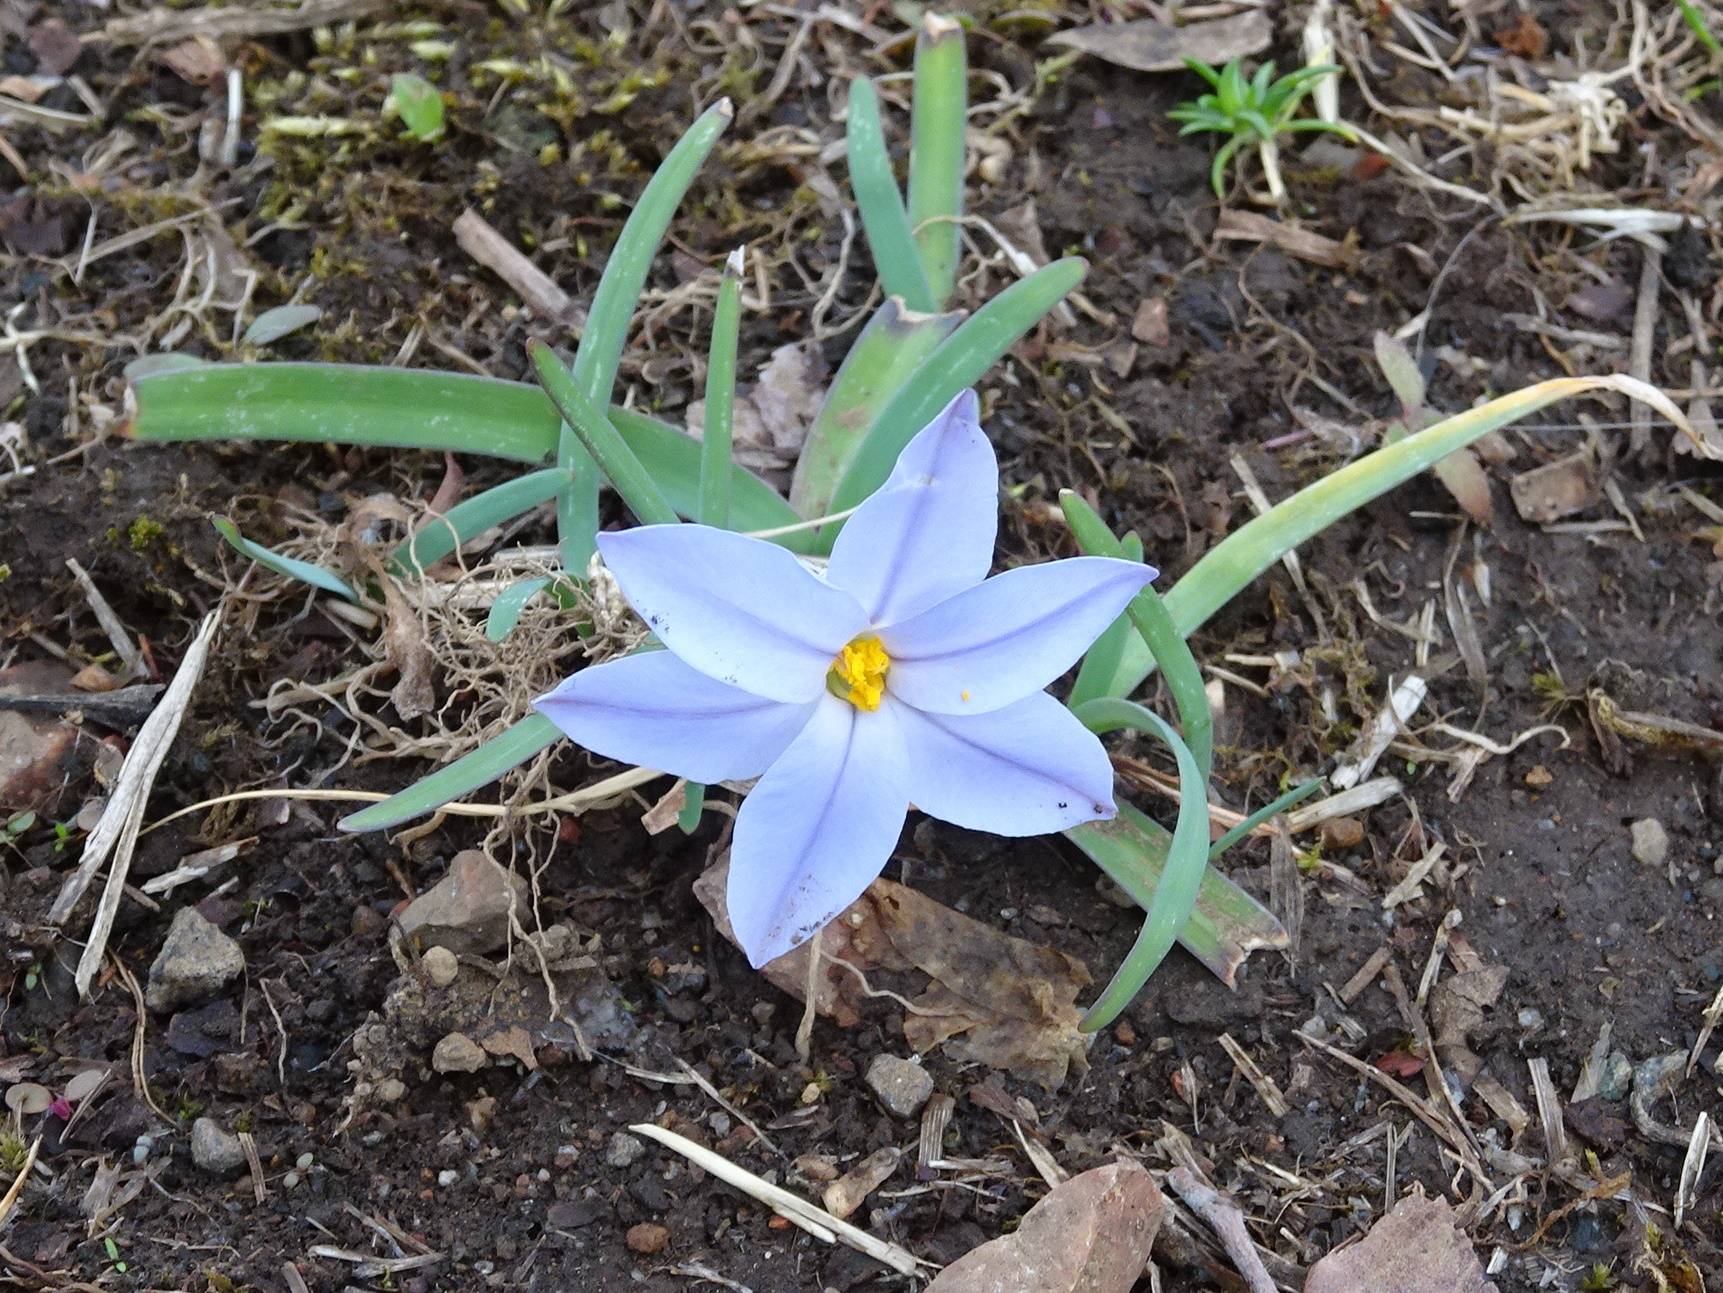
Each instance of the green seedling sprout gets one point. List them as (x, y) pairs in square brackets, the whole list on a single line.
[(1257, 111), (419, 104)]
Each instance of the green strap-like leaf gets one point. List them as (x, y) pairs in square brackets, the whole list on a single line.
[(958, 363), (895, 257), (603, 442), (892, 346), (936, 151), (1175, 894), (438, 536), (460, 778), (293, 568), (613, 304)]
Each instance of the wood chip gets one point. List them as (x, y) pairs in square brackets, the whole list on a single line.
[(496, 253), (1408, 888), (1366, 975), (1549, 1111), (1251, 226), (844, 1195), (1556, 489), (935, 1118)]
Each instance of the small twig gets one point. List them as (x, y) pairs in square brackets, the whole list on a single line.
[(1644, 331), (496, 253), (122, 642), (1266, 1086), (120, 708), (815, 1220), (1225, 1219)]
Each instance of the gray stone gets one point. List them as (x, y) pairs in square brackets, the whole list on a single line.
[(458, 1053), (441, 966), (391, 1090), (214, 1148), (468, 910), (624, 1150), (197, 961), (1650, 841), (1417, 1248), (902, 1086), (1616, 1077)]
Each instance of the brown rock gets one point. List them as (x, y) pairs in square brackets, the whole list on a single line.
[(41, 756), (1342, 833), (467, 911), (1416, 1248), (648, 1239), (1091, 1235)]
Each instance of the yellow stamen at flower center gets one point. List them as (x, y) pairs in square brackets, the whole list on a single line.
[(858, 673)]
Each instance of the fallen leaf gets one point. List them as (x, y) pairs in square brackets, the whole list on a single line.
[(1464, 477), (198, 60), (1400, 1064), (1555, 490), (992, 998), (1090, 1235), (771, 420), (509, 1042), (1150, 46), (1416, 1248)]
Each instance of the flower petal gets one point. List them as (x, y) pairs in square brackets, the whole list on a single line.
[(740, 610), (928, 533), (1029, 768), (1007, 637), (654, 710), (817, 829)]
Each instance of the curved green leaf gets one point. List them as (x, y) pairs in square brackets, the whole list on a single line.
[(293, 568), (506, 611), (460, 778), (441, 535)]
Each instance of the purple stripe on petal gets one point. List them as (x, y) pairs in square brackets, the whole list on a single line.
[(817, 829), (1029, 768), (928, 533), (656, 711), (739, 610), (1009, 636)]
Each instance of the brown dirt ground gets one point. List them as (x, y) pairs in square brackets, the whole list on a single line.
[(1541, 874)]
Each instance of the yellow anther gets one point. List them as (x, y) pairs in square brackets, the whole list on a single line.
[(858, 674)]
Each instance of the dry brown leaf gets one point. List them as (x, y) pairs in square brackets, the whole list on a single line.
[(1150, 46), (1090, 1235), (1465, 478), (1416, 1248), (198, 60), (999, 1000)]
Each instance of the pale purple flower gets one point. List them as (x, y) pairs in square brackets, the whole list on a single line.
[(904, 676)]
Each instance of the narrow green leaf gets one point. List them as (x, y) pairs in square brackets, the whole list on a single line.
[(613, 304), (1293, 797), (293, 568), (958, 363), (506, 611), (460, 778), (1175, 895), (672, 458), (441, 535), (693, 805), (602, 442), (936, 152), (715, 461), (397, 408), (892, 345), (895, 257), (1239, 558)]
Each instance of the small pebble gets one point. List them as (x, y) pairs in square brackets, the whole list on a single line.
[(1540, 778), (303, 1162), (1342, 833), (290, 1181), (391, 1090), (458, 1053), (214, 1148), (624, 1150), (901, 1085), (648, 1238), (441, 967), (447, 1177), (1650, 842)]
